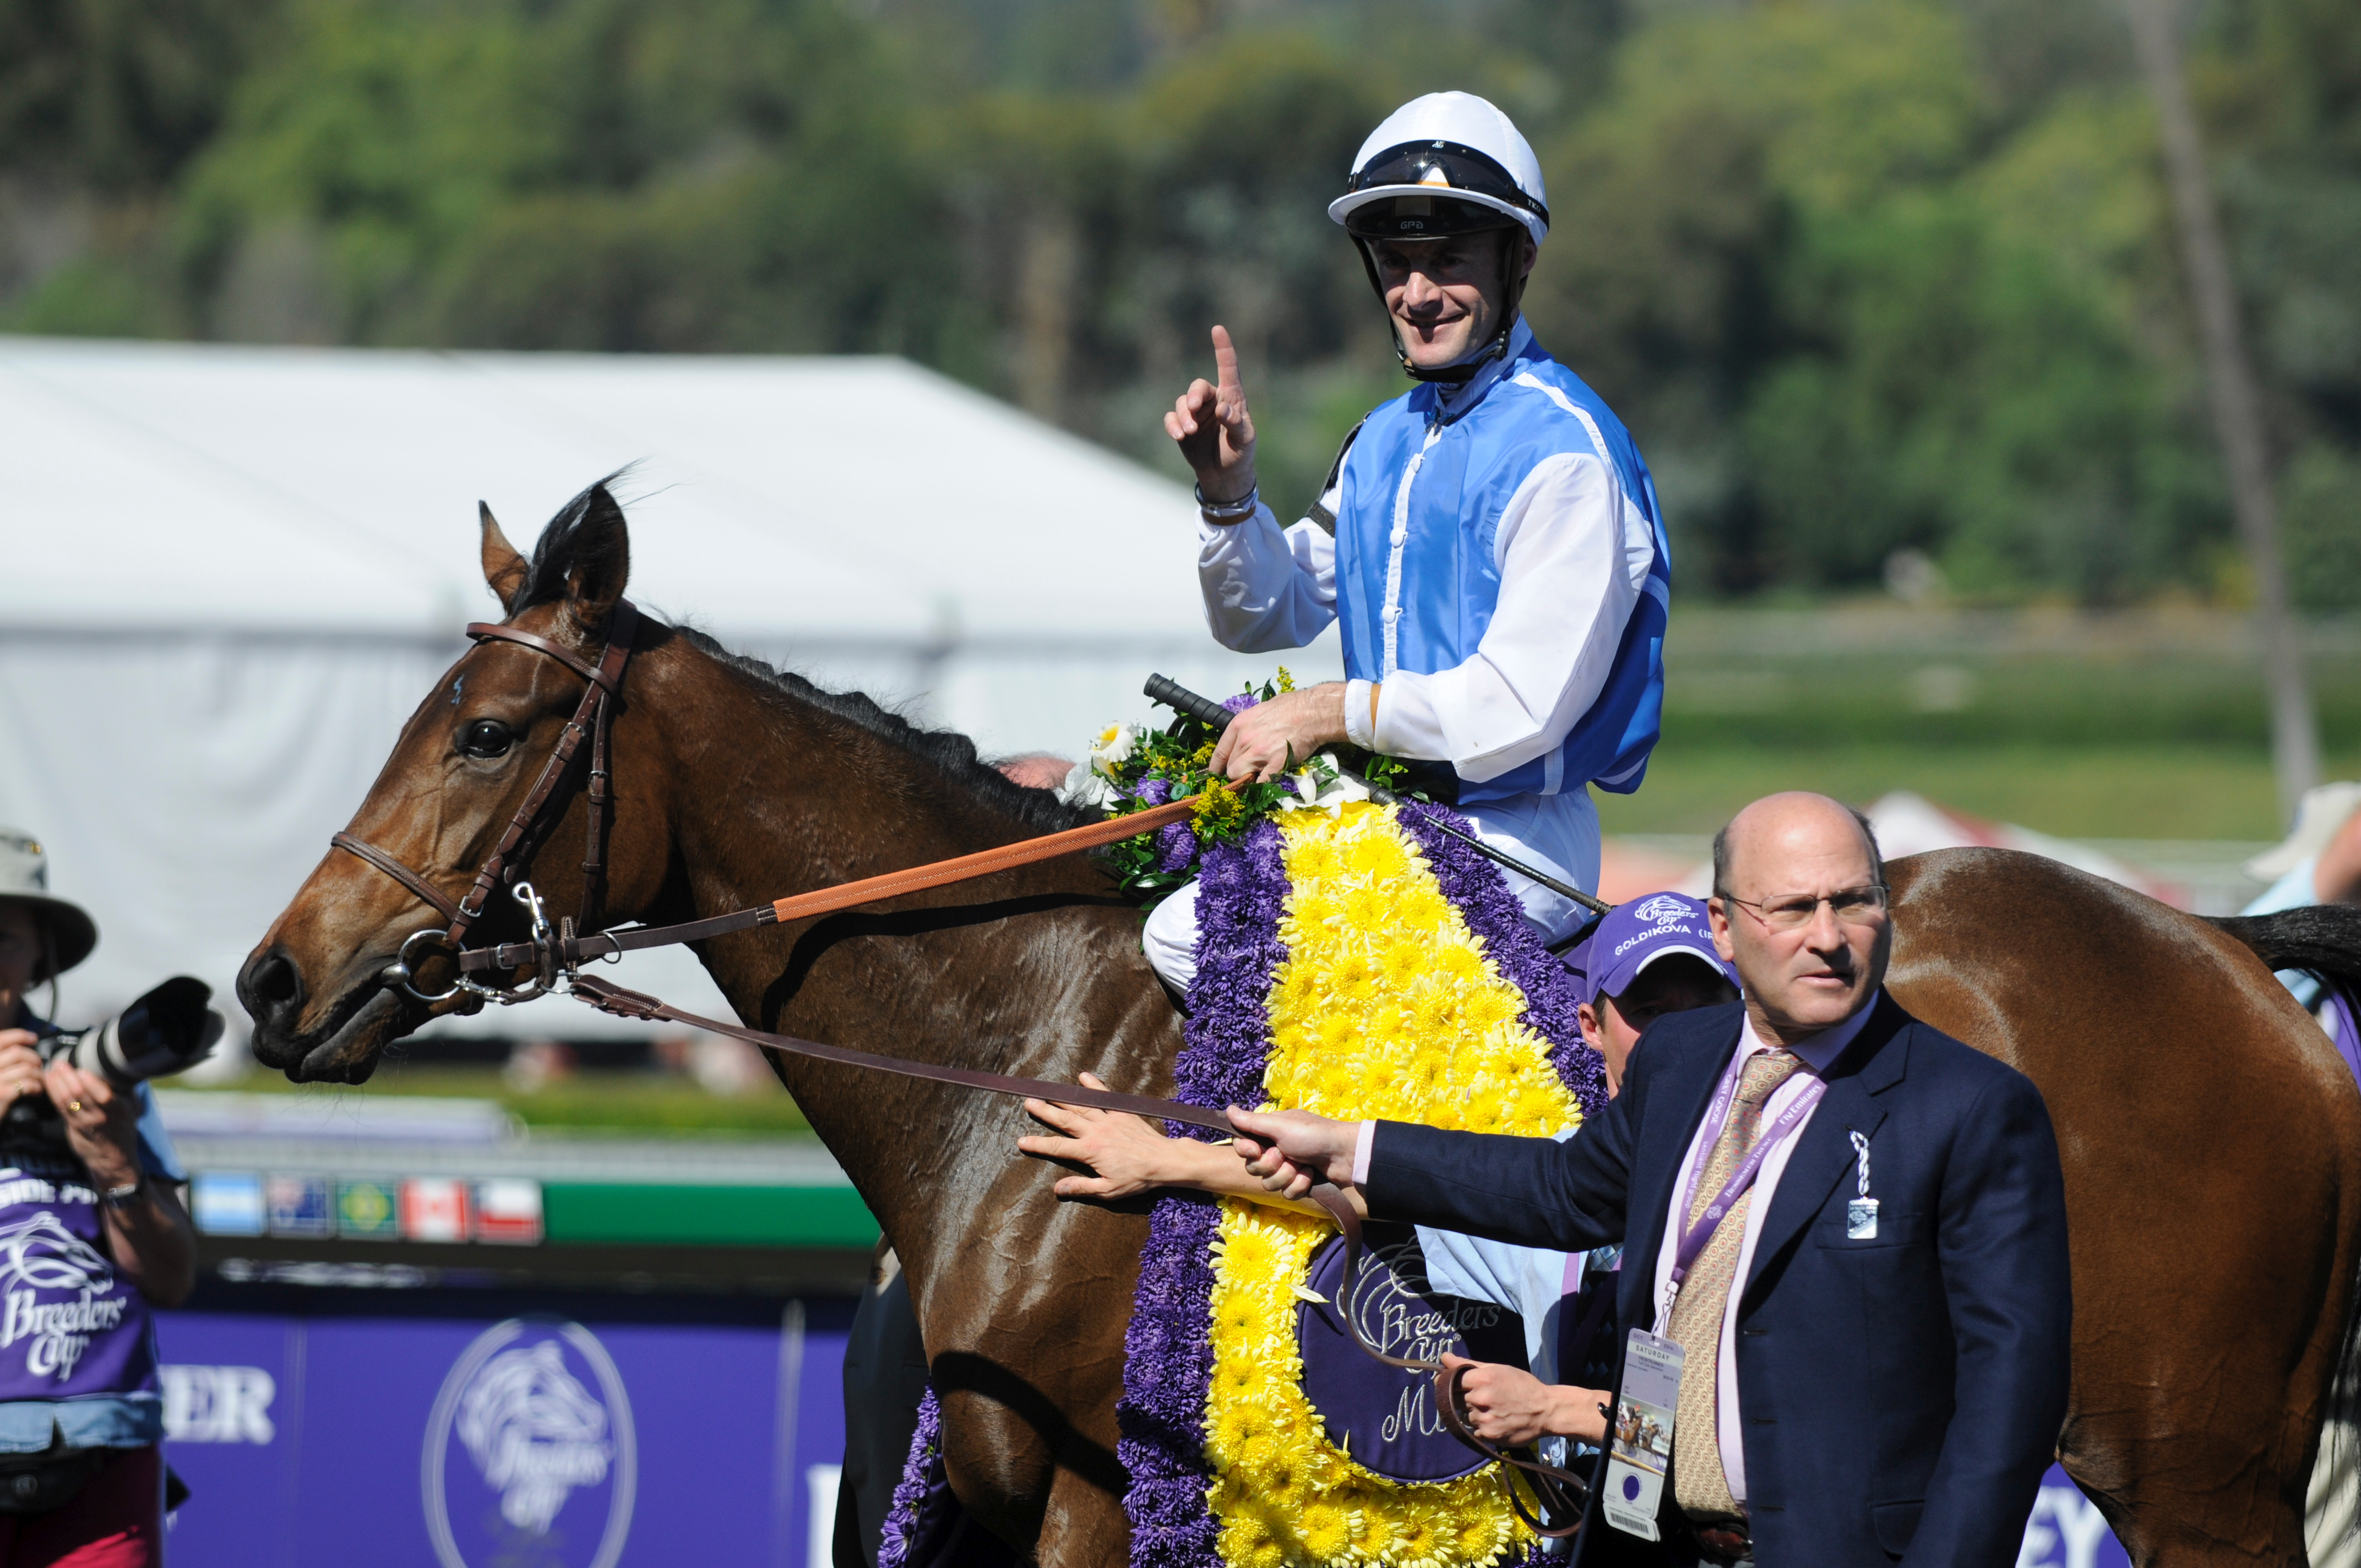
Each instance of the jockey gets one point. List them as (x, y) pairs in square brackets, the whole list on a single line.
[(1490, 540)]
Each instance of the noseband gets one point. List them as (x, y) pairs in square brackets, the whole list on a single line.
[(593, 718)]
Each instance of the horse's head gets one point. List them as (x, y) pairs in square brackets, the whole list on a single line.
[(316, 985)]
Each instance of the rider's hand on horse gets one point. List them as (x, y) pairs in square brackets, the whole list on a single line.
[(1511, 1407), (1271, 737), (1293, 1151), (1125, 1154), (1214, 431)]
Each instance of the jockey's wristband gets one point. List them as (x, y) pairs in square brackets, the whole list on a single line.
[(1229, 511)]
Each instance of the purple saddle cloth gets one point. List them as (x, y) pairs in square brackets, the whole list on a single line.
[(1384, 1417)]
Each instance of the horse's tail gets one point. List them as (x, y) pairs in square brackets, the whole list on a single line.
[(2324, 938)]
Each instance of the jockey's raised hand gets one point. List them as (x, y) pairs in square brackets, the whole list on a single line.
[(1214, 431)]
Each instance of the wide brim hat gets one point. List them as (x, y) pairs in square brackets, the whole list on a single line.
[(2322, 811), (24, 879)]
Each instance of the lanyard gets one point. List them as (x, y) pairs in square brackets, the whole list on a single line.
[(1693, 1238)]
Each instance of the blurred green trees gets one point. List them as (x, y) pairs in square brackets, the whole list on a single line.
[(1874, 282)]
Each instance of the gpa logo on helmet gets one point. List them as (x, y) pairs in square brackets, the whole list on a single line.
[(1664, 909), (531, 1455)]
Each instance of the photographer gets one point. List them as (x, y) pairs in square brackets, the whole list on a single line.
[(92, 1234)]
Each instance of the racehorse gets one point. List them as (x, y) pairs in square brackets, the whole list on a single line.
[(2211, 1137)]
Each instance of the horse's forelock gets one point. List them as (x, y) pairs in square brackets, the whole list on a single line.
[(586, 531)]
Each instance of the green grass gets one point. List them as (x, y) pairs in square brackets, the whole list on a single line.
[(2113, 792), (629, 1101), (2139, 725)]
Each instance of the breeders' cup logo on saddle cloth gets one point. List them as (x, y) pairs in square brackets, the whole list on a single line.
[(531, 1456), (37, 1253), (1383, 1417)]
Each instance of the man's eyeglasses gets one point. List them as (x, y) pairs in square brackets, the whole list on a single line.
[(1852, 906)]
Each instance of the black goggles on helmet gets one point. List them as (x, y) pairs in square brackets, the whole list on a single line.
[(1445, 173)]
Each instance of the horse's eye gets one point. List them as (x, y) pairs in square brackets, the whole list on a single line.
[(486, 738)]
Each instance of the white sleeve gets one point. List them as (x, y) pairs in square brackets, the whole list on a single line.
[(1266, 589), (1573, 553)]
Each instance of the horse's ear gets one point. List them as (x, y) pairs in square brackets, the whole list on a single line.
[(599, 564), (504, 569)]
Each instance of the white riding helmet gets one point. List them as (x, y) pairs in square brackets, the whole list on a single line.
[(1449, 163), (1453, 143)]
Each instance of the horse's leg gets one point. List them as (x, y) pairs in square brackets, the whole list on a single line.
[(2210, 1183), (1024, 1323)]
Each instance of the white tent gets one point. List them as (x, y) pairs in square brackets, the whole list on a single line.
[(230, 573)]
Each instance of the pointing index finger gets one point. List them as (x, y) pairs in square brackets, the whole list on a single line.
[(1225, 367)]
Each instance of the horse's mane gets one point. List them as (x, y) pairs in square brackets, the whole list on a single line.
[(948, 752), (589, 533)]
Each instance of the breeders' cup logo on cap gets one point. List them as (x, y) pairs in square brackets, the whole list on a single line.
[(1664, 909), (531, 1455), (39, 1253)]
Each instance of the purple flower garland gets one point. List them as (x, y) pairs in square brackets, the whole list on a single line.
[(1492, 912), (1168, 1351), (910, 1491)]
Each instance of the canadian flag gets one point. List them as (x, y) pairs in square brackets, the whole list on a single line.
[(434, 1209)]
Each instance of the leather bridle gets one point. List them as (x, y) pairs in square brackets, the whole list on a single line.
[(593, 718), (555, 959)]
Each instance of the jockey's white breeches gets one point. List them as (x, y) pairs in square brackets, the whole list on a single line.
[(1557, 834)]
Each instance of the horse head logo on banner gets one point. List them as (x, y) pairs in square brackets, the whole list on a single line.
[(532, 1427)]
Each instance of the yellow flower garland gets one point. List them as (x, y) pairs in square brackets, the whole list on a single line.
[(1387, 1007)]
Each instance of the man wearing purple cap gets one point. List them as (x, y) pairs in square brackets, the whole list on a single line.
[(1646, 957)]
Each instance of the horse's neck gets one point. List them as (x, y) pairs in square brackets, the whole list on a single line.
[(1038, 974)]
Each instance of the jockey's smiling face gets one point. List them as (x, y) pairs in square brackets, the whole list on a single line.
[(1445, 294)]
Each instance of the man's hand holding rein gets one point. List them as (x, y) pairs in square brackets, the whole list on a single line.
[(1291, 1152)]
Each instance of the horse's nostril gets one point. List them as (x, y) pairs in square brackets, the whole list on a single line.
[(271, 985)]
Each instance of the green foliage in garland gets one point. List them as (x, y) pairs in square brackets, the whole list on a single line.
[(1132, 768)]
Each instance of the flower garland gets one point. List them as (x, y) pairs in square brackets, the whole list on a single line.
[(1388, 1006), (1132, 768), (1328, 1000), (1168, 1356), (910, 1492)]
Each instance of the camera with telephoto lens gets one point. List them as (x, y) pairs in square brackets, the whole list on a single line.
[(168, 1030)]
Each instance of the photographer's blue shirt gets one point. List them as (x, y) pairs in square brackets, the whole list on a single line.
[(130, 1412)]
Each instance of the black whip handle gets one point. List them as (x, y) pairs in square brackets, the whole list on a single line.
[(1181, 699)]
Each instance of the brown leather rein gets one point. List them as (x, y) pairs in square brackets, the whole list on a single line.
[(555, 961)]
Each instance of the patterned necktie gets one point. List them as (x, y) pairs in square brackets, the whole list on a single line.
[(1698, 1485)]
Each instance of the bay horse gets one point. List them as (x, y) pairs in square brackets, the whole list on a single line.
[(2211, 1138)]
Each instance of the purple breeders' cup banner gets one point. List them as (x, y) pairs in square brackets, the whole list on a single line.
[(1383, 1416), (307, 1439), (524, 1439), (2067, 1530)]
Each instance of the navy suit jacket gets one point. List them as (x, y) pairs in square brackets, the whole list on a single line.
[(1901, 1395)]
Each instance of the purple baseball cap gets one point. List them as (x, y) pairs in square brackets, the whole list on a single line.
[(1634, 935)]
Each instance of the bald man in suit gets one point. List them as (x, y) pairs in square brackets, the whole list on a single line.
[(1855, 1390)]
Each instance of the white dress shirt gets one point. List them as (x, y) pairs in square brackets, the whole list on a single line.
[(1817, 1053)]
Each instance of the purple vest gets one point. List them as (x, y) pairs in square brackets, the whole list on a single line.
[(69, 1324)]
